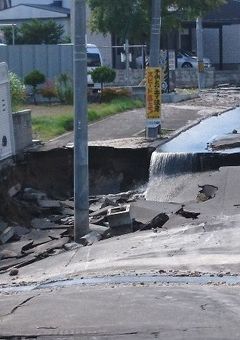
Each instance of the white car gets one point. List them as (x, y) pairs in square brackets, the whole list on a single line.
[(184, 60), (189, 60)]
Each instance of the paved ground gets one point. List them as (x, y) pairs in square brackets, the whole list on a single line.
[(206, 249), (123, 312), (174, 116)]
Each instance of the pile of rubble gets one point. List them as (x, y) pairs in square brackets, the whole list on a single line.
[(50, 227)]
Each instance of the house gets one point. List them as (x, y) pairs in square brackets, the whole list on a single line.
[(221, 35), (19, 11)]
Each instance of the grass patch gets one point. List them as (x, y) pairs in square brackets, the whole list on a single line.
[(99, 111), (47, 126)]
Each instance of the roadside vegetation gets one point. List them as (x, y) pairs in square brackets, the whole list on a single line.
[(51, 123), (55, 117)]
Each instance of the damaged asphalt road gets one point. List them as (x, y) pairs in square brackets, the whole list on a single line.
[(147, 269), (197, 236), (123, 312)]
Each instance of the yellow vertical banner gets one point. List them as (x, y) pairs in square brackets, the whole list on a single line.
[(153, 96)]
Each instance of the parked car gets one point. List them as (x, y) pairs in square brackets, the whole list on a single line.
[(189, 60), (184, 59)]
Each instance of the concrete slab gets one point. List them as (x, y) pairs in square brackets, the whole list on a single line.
[(124, 312), (226, 142), (144, 211)]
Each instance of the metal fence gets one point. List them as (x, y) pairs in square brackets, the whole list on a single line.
[(53, 60)]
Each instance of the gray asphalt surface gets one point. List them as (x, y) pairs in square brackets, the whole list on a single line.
[(174, 116), (124, 312), (209, 245)]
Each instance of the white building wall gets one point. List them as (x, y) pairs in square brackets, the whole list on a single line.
[(211, 44), (66, 3), (33, 2), (26, 13), (20, 14), (231, 44)]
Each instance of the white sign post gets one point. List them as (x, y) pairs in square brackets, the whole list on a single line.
[(7, 146)]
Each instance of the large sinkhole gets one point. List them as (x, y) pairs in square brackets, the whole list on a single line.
[(131, 190), (114, 170)]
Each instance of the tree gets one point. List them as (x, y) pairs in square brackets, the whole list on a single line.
[(36, 32), (103, 75), (34, 79), (131, 19)]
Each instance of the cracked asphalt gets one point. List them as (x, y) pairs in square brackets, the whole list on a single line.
[(142, 309)]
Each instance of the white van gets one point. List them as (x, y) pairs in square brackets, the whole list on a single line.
[(94, 60)]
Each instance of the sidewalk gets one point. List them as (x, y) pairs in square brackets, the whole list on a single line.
[(131, 124)]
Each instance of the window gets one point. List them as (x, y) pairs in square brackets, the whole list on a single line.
[(93, 60)]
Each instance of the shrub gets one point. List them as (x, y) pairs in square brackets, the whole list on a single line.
[(103, 75), (34, 79), (109, 93), (64, 88), (17, 90), (49, 90)]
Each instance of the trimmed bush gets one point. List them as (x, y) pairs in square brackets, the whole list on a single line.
[(109, 94), (49, 90), (34, 79)]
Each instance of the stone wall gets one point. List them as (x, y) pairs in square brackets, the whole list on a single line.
[(187, 78), (22, 127), (182, 78), (134, 78)]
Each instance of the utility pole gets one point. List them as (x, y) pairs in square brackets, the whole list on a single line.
[(155, 34), (201, 71), (81, 186), (153, 123)]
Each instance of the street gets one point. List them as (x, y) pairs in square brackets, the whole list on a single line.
[(123, 312), (178, 281)]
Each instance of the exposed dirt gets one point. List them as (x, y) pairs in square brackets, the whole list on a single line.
[(219, 97)]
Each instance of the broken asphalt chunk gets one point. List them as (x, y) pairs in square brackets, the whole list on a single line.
[(3, 226), (49, 204), (44, 249), (42, 223), (100, 212), (30, 194), (156, 222), (6, 235), (187, 214), (13, 191), (103, 231), (7, 254), (144, 211), (90, 238), (207, 192)]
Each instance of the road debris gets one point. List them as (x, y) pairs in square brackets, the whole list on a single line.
[(187, 214), (207, 192)]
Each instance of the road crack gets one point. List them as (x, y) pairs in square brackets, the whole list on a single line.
[(19, 305)]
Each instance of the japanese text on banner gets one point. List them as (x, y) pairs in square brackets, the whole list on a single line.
[(153, 92)]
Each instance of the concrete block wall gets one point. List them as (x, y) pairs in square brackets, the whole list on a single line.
[(22, 127), (227, 77), (183, 78), (188, 78), (135, 77)]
